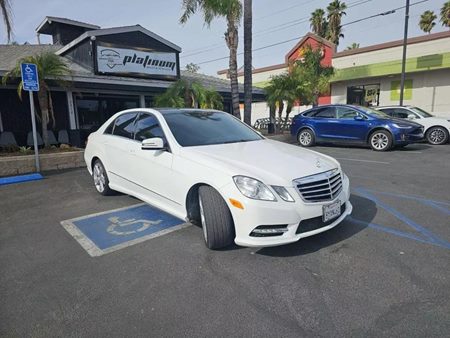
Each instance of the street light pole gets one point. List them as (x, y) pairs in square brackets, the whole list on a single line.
[(405, 41)]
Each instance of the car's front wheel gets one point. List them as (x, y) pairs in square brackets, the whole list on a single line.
[(216, 219), (306, 138), (437, 135), (101, 181), (380, 140)]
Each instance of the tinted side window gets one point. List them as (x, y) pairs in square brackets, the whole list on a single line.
[(309, 113), (401, 113), (124, 125), (347, 113), (388, 111), (327, 113), (147, 126)]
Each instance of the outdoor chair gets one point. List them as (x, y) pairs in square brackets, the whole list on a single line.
[(30, 139), (7, 139), (51, 138), (63, 137)]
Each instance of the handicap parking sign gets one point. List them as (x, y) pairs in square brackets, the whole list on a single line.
[(109, 231), (30, 79)]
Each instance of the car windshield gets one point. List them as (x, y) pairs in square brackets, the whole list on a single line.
[(199, 128), (421, 112), (373, 112)]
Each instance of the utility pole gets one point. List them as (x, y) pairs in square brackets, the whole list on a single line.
[(405, 41)]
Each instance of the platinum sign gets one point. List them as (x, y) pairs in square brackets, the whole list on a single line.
[(122, 61)]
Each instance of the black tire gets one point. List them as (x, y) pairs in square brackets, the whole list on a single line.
[(216, 219), (101, 183), (437, 135), (380, 140), (306, 138)]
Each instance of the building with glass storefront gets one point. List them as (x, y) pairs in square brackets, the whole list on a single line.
[(112, 69)]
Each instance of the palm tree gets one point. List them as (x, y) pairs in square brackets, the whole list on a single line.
[(283, 91), (189, 94), (427, 21), (335, 12), (231, 10), (50, 67), (354, 45), (318, 22), (5, 8), (445, 14), (248, 61)]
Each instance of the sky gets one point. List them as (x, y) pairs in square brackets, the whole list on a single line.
[(274, 21)]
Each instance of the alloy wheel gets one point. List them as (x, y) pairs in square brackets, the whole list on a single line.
[(437, 136), (99, 177), (305, 138), (203, 220), (379, 141)]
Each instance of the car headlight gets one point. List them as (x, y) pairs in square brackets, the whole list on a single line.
[(283, 193), (253, 188), (401, 126)]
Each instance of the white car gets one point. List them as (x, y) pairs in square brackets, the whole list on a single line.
[(213, 170), (437, 130)]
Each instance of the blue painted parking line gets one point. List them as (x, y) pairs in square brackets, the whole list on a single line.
[(20, 178), (108, 231), (423, 234)]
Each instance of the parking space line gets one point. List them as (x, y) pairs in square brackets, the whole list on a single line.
[(358, 160), (105, 232)]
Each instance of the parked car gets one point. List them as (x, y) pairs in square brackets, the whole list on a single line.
[(353, 125), (436, 129), (210, 168)]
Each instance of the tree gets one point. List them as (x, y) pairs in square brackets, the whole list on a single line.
[(51, 67), (192, 67), (283, 91), (312, 77), (5, 8), (445, 14), (248, 61), (426, 22), (318, 22), (231, 10), (354, 45), (335, 12), (189, 94)]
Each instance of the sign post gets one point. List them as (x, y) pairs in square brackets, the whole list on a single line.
[(30, 82)]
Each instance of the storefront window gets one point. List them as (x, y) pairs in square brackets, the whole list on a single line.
[(364, 95)]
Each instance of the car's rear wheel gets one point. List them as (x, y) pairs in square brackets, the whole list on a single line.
[(306, 138), (216, 219), (101, 181), (437, 135), (380, 140)]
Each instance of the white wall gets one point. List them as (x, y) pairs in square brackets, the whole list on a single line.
[(431, 90)]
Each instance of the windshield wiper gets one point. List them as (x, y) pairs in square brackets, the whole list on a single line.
[(235, 141)]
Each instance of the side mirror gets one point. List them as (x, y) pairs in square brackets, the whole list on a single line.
[(411, 117), (154, 143), (358, 118)]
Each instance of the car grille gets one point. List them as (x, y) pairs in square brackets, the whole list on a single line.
[(320, 187)]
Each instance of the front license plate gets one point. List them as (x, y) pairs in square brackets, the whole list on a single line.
[(331, 211)]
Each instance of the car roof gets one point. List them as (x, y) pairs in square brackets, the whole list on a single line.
[(166, 111), (396, 106)]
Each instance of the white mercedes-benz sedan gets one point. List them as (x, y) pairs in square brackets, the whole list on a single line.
[(211, 169)]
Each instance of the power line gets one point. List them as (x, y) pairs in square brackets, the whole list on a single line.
[(268, 30), (298, 38)]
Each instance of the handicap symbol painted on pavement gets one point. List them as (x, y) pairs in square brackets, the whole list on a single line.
[(418, 232), (112, 230)]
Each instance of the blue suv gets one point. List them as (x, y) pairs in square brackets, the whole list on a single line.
[(353, 125)]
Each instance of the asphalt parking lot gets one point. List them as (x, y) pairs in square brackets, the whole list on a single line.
[(385, 271)]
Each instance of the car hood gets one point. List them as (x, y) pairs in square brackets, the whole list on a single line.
[(272, 162)]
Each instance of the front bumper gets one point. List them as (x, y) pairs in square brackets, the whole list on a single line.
[(259, 213), (414, 136)]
